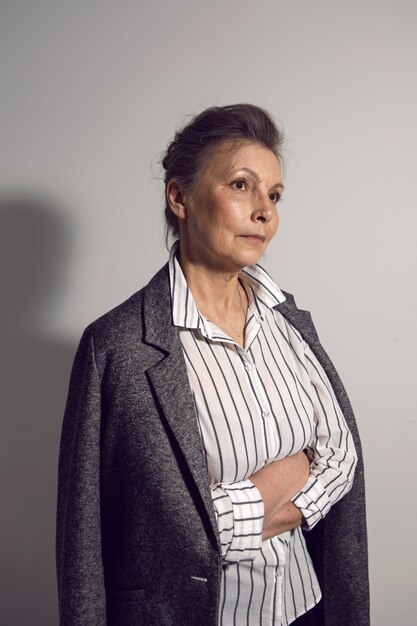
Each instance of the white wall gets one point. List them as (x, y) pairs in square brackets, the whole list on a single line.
[(91, 92)]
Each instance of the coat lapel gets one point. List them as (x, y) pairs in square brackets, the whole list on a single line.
[(300, 319), (169, 381)]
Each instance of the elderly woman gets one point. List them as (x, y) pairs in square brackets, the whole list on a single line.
[(207, 434)]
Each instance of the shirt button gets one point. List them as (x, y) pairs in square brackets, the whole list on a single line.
[(248, 366), (266, 413)]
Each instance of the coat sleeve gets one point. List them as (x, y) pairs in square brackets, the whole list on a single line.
[(80, 576)]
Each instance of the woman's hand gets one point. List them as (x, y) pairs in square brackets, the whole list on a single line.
[(277, 483)]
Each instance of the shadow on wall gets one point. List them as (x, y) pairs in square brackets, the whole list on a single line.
[(34, 244)]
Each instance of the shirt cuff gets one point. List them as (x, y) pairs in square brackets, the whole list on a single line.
[(239, 512), (313, 502)]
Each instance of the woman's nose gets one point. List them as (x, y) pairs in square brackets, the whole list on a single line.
[(264, 210)]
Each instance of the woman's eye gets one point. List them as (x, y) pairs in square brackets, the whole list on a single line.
[(239, 184), (275, 197)]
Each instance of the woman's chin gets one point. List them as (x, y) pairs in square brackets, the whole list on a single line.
[(251, 257)]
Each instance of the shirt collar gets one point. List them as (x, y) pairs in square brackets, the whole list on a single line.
[(264, 293)]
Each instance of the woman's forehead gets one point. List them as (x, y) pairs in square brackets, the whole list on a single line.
[(255, 158)]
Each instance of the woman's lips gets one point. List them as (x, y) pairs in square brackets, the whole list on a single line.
[(254, 238)]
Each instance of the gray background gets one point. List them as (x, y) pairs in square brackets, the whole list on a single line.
[(91, 92)]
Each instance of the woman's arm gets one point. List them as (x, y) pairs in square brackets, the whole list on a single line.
[(332, 452), (78, 536), (277, 483), (251, 511), (293, 491)]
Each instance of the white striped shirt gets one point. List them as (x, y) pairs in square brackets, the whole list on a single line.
[(254, 405)]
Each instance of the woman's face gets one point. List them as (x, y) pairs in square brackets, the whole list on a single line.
[(231, 218)]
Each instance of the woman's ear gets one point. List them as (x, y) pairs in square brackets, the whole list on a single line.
[(176, 198)]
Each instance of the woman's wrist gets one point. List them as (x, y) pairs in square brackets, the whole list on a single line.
[(286, 518)]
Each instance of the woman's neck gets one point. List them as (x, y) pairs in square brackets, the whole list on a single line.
[(220, 297)]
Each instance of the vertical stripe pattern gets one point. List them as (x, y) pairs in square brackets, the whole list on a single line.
[(254, 405)]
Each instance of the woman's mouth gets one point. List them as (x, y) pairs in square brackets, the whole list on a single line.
[(254, 238)]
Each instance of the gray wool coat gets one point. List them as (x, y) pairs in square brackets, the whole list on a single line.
[(137, 541)]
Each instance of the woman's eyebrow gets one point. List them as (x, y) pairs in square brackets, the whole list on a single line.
[(256, 177)]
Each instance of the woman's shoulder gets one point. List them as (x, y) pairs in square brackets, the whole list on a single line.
[(124, 322), (115, 328)]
